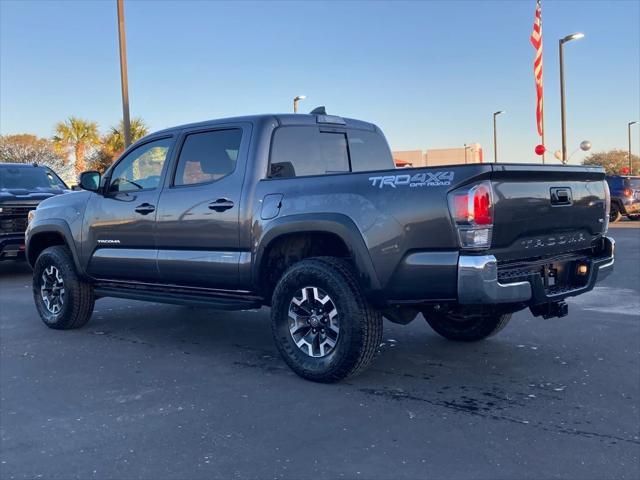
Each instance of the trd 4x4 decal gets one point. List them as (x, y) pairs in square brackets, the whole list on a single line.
[(426, 179)]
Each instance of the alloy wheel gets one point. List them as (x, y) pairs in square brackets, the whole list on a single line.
[(52, 289), (314, 322)]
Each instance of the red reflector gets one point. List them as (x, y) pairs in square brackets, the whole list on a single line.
[(627, 192), (482, 206)]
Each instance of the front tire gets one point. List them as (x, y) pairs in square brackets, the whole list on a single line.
[(323, 326), (461, 328), (62, 299)]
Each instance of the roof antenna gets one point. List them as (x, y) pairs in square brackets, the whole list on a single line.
[(319, 111)]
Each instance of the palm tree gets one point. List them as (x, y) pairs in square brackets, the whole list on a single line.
[(112, 144), (79, 134), (114, 140)]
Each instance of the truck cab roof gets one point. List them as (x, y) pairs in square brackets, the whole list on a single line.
[(289, 119), (21, 165)]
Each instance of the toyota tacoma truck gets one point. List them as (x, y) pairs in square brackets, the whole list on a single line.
[(306, 214), (22, 188)]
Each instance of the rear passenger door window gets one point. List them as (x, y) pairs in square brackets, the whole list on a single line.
[(304, 151), (208, 156)]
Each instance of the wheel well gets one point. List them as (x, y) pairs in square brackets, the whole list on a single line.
[(288, 249), (41, 241), (617, 203)]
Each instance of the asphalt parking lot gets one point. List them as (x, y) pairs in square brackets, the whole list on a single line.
[(156, 391)]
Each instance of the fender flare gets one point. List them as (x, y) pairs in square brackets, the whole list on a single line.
[(340, 225), (53, 225)]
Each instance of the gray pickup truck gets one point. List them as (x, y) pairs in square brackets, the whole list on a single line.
[(307, 214)]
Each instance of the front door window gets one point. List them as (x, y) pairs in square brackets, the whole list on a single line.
[(141, 169)]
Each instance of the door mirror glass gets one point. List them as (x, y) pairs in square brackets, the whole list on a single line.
[(90, 181)]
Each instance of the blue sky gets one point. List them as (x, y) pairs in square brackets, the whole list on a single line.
[(430, 73)]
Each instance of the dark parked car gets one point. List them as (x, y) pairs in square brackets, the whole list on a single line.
[(625, 197), (307, 214), (22, 188)]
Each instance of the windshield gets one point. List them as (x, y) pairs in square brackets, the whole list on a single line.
[(29, 178), (633, 183)]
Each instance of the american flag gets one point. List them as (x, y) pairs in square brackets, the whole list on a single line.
[(536, 41)]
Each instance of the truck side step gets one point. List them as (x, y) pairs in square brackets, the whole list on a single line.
[(217, 299)]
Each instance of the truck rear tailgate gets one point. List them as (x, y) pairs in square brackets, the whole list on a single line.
[(546, 210)]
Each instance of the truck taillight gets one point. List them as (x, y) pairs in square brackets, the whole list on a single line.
[(627, 192), (472, 211)]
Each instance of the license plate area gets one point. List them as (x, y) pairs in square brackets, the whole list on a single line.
[(556, 275), (559, 277)]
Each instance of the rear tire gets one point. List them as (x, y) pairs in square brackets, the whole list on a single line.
[(635, 218), (323, 326), (466, 328), (62, 299), (614, 215)]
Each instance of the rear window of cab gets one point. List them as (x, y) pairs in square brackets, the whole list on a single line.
[(633, 183), (300, 151)]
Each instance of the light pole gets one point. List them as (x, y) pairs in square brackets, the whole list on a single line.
[(568, 38), (123, 75), (495, 136), (295, 102), (629, 132)]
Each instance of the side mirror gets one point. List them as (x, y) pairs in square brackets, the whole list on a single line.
[(90, 181)]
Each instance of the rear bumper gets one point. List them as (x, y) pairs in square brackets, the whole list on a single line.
[(12, 246), (478, 281)]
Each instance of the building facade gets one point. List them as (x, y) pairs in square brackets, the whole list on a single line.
[(472, 153)]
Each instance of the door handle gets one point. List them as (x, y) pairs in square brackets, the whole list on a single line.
[(145, 209), (221, 204)]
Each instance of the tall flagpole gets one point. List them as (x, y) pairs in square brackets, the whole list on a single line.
[(544, 154), (536, 41)]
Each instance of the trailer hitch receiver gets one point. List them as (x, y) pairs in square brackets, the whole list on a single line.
[(550, 310)]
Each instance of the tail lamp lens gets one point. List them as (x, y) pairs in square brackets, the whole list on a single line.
[(482, 214), (460, 206), (627, 192), (472, 211), (472, 205)]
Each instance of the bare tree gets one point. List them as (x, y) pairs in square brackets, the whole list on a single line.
[(26, 148)]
